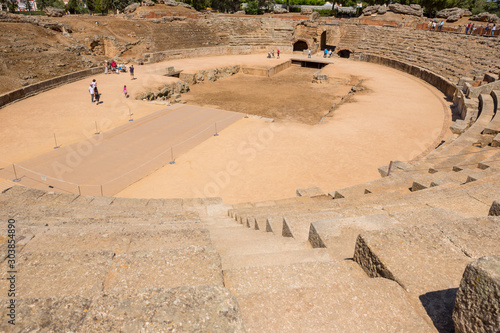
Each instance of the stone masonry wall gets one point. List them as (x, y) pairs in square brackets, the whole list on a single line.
[(450, 55)]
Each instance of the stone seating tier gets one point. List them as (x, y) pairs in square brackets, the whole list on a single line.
[(428, 261)]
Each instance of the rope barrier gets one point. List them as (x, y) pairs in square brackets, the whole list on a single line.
[(79, 186)]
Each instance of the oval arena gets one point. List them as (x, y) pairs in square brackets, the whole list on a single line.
[(229, 191)]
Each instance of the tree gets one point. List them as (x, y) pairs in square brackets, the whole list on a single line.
[(252, 8), (226, 6)]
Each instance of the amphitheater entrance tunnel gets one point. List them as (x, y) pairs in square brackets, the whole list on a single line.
[(344, 53), (300, 45), (323, 40)]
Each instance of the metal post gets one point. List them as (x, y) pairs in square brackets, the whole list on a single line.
[(55, 140), (389, 170), (101, 191), (216, 134), (79, 191), (172, 155), (17, 179), (96, 129)]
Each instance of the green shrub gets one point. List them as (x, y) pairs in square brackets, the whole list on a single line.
[(324, 12), (252, 8), (38, 12)]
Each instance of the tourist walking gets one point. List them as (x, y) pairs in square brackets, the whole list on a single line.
[(434, 26), (326, 53), (486, 29), (309, 53), (131, 70), (493, 29), (91, 91), (278, 53), (125, 92), (96, 96), (106, 67)]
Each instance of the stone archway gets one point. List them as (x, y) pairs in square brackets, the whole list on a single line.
[(300, 45), (344, 53), (323, 40)]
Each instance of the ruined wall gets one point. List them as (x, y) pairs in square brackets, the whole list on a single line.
[(449, 55), (219, 35)]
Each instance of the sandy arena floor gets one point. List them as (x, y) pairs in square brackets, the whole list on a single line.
[(397, 117)]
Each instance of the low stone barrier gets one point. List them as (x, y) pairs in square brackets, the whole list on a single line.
[(267, 72), (445, 86), (211, 51), (33, 89)]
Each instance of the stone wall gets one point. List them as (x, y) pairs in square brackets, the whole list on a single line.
[(449, 55), (267, 72), (209, 51), (36, 88), (445, 86)]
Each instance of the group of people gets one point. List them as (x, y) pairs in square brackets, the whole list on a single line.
[(271, 54), (436, 26), (95, 94), (328, 53), (470, 28), (115, 68)]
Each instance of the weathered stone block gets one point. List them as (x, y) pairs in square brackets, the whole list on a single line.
[(477, 305), (495, 209)]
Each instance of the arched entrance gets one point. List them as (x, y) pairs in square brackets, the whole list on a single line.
[(344, 53), (300, 45), (323, 40)]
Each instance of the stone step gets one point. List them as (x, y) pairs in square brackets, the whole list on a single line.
[(20, 194), (298, 226), (83, 211), (428, 261), (439, 178), (339, 235), (250, 245), (462, 155), (250, 280), (492, 160), (174, 222), (116, 238), (168, 268), (373, 305), (58, 202), (187, 309), (53, 274), (277, 258), (472, 161)]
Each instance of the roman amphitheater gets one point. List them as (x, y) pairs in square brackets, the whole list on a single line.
[(235, 190)]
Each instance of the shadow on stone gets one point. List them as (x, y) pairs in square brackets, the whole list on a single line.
[(439, 306)]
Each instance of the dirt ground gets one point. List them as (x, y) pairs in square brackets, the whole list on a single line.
[(287, 96), (397, 117)]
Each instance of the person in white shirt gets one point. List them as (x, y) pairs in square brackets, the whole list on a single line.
[(91, 90)]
